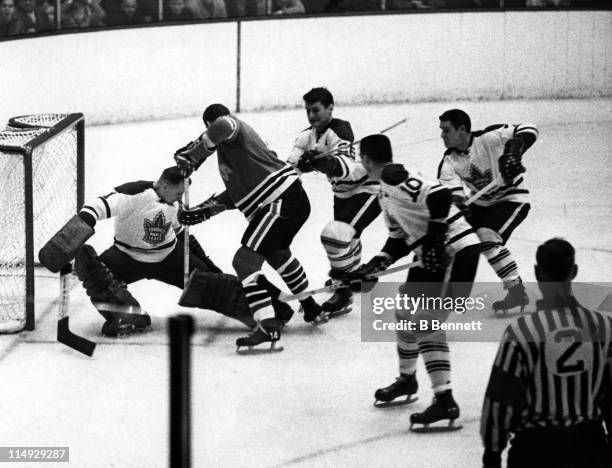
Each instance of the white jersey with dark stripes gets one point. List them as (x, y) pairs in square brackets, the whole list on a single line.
[(406, 213), (353, 178), (145, 226), (465, 173)]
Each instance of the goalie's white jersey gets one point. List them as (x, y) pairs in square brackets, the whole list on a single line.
[(406, 213), (476, 168), (145, 226), (353, 178)]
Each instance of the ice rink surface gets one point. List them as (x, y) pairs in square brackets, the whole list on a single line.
[(310, 405)]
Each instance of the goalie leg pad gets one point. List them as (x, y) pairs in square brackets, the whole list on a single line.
[(196, 249), (62, 247), (220, 292), (105, 292)]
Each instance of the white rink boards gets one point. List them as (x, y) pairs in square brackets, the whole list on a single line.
[(310, 405)]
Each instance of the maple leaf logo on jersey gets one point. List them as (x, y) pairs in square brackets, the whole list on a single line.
[(156, 230), (479, 179)]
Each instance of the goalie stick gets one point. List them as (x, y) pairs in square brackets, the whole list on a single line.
[(355, 143), (186, 233), (64, 335), (337, 284)]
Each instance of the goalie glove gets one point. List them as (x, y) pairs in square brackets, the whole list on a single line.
[(433, 253), (304, 164), (361, 280), (510, 164), (200, 213)]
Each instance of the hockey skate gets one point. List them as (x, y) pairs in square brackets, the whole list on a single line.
[(442, 408), (122, 324), (267, 331), (339, 304), (516, 297), (405, 385), (312, 311)]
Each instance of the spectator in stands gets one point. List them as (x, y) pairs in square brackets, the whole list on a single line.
[(287, 7), (207, 9), (128, 13), (34, 17), (82, 14), (10, 23), (176, 10)]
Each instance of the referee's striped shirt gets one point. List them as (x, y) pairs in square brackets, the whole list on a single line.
[(553, 369)]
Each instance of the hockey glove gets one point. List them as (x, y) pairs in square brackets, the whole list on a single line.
[(201, 212), (459, 202), (361, 280), (191, 156), (393, 174), (304, 164), (433, 252), (510, 164)]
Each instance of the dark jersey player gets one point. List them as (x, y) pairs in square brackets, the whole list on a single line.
[(269, 194)]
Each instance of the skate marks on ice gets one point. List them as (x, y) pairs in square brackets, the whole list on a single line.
[(309, 459)]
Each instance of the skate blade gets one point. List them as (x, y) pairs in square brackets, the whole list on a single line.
[(340, 313), (452, 426), (128, 333), (252, 350), (506, 313), (390, 404)]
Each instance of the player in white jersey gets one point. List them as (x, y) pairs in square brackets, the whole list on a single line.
[(471, 161), (355, 194), (415, 208), (147, 245)]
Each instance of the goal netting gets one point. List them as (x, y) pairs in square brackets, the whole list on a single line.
[(41, 174)]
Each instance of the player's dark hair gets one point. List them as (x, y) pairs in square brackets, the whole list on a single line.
[(556, 257), (457, 118), (377, 148), (214, 111), (172, 175), (321, 95)]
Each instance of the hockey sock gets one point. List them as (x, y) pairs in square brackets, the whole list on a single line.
[(258, 298), (290, 270), (342, 247), (501, 261), (407, 352), (436, 355)]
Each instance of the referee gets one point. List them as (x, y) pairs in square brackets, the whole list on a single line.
[(551, 383)]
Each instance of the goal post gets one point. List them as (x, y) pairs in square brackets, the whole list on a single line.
[(42, 175)]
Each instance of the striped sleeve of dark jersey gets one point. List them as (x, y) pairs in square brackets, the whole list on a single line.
[(504, 398)]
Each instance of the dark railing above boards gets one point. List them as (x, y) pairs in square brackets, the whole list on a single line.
[(25, 17)]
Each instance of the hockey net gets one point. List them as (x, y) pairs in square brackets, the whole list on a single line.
[(41, 170)]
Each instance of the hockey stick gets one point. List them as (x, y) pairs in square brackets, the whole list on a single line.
[(64, 335), (340, 284), (342, 148), (186, 233), (337, 284)]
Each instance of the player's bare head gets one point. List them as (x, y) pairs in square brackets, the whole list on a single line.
[(376, 153), (319, 105), (556, 261), (455, 126), (213, 112), (170, 185)]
